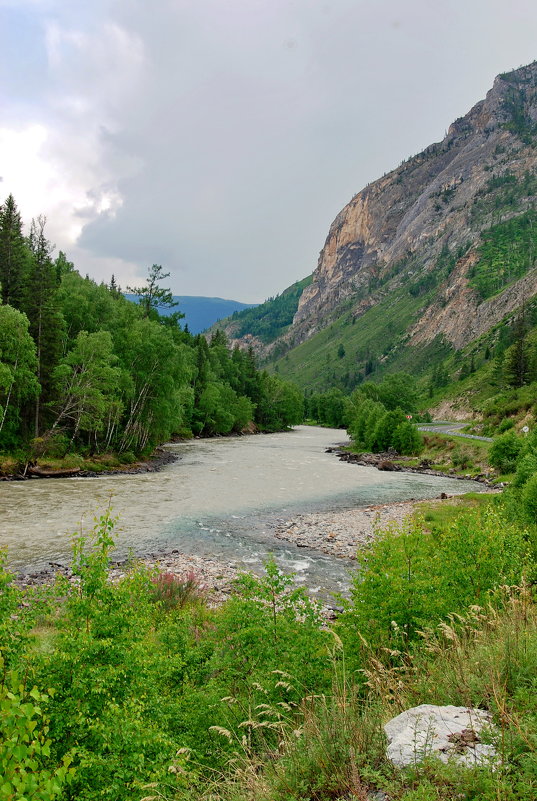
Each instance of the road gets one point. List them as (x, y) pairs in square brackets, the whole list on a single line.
[(454, 429)]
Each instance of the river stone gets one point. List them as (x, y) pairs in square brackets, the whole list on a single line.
[(447, 732)]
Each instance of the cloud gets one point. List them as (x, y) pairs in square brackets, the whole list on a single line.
[(221, 138)]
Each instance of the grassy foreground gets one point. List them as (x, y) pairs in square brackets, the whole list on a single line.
[(138, 690)]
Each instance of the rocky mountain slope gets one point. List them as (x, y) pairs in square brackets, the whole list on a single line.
[(409, 248)]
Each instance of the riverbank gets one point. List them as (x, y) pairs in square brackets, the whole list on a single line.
[(338, 534), (343, 534), (78, 467), (393, 462), (214, 579)]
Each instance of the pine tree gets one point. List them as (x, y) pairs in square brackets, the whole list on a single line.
[(517, 365), (13, 254), (114, 287), (39, 304), (153, 296)]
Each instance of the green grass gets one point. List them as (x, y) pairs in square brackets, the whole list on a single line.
[(377, 336), (438, 516)]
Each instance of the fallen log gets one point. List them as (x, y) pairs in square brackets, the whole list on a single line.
[(42, 472)]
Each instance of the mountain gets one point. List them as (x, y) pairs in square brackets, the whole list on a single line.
[(201, 312), (261, 325), (427, 259)]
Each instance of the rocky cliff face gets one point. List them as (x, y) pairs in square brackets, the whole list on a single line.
[(395, 229)]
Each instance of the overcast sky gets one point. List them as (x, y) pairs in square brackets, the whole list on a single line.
[(220, 138)]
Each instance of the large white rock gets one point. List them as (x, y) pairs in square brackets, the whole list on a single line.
[(447, 732)]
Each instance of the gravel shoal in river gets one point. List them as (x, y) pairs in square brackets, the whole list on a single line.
[(343, 533), (215, 579)]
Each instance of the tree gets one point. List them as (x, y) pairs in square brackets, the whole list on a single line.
[(88, 387), (153, 296), (41, 307), (281, 404), (518, 359), (13, 254), (17, 370)]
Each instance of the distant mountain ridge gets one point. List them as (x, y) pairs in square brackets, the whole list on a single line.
[(202, 312), (428, 258)]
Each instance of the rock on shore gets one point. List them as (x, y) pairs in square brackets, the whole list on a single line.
[(343, 533)]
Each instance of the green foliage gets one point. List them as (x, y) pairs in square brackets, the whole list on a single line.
[(508, 251), (13, 254), (529, 496), (412, 579), (271, 318), (153, 296), (328, 408), (504, 452), (281, 404), (521, 123), (92, 372), (18, 382), (166, 698), (25, 748), (377, 422)]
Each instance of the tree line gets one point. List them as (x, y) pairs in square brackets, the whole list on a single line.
[(83, 369), (377, 416)]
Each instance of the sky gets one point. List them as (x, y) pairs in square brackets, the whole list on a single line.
[(220, 138)]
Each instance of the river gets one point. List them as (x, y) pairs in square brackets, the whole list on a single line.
[(221, 498)]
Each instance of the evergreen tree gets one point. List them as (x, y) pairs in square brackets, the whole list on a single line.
[(153, 296), (41, 307), (113, 286), (517, 364), (13, 254)]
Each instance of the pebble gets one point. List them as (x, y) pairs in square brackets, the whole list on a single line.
[(342, 534)]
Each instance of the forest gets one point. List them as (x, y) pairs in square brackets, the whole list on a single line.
[(84, 371)]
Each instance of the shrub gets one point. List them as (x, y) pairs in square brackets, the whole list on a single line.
[(412, 578), (526, 467), (505, 451), (505, 425), (24, 745), (461, 458), (529, 498), (175, 592), (55, 446)]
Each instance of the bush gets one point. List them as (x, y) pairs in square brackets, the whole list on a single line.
[(529, 498), (412, 578), (24, 744), (461, 458), (505, 425), (175, 592), (505, 451), (54, 446)]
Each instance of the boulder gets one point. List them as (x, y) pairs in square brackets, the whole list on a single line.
[(386, 465), (447, 732)]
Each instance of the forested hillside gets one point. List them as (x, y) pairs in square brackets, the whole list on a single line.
[(84, 370)]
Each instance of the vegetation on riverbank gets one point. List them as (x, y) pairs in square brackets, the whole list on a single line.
[(260, 698), (87, 375)]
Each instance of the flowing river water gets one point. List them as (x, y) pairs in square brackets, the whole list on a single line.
[(222, 498)]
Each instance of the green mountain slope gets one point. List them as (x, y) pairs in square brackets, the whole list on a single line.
[(424, 263)]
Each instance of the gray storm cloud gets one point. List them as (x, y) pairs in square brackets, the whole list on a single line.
[(221, 138)]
